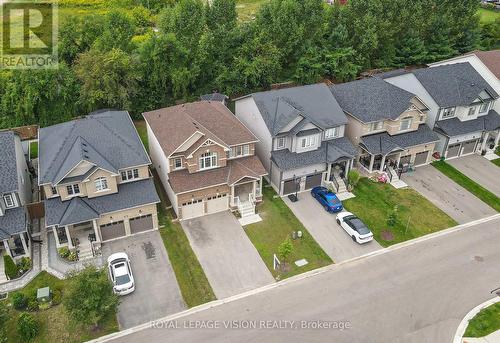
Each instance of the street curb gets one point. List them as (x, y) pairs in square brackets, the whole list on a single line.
[(292, 279), (465, 322)]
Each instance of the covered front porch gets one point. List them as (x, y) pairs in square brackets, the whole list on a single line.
[(245, 194), (490, 141), (82, 238), (17, 246), (372, 162)]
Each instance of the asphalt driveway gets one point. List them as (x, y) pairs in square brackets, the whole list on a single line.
[(480, 170), (443, 192), (325, 230), (229, 259), (156, 292)]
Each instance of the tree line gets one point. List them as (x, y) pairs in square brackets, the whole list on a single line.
[(164, 51)]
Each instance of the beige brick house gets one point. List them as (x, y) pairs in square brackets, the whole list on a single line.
[(94, 174), (205, 158)]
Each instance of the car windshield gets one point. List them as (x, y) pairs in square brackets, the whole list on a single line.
[(360, 226), (332, 199), (122, 279)]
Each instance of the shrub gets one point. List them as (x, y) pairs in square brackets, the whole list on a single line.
[(33, 305), (63, 252), (73, 256), (19, 301), (24, 264), (56, 296), (27, 326), (353, 177), (11, 270)]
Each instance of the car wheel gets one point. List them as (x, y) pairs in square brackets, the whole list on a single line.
[(338, 221), (326, 208), (354, 238)]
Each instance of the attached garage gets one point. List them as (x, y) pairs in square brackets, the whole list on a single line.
[(453, 150), (112, 230), (192, 209), (313, 180), (421, 158), (405, 159), (142, 223), (217, 203), (290, 186), (468, 147)]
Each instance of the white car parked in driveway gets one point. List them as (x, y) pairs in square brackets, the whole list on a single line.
[(121, 273), (358, 231)]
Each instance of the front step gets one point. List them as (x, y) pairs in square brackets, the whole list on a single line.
[(85, 254), (246, 209)]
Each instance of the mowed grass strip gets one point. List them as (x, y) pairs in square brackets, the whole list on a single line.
[(479, 191), (485, 322), (193, 283), (278, 223), (415, 215)]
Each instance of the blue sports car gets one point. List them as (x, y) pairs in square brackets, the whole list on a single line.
[(327, 199)]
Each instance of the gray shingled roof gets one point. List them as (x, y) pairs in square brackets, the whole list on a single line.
[(329, 152), (77, 210), (107, 139), (454, 127), (12, 222), (214, 97), (383, 143), (453, 84), (8, 164), (314, 102), (372, 99)]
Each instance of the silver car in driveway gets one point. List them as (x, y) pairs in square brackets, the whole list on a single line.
[(121, 273)]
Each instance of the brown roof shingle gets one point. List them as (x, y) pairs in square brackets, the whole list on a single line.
[(173, 125), (490, 59), (29, 132)]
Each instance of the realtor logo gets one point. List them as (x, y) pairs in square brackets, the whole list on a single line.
[(28, 35)]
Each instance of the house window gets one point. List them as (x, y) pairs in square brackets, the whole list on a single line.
[(472, 111), (241, 150), (9, 200), (208, 160), (53, 190), (280, 143), (422, 118), (375, 126), (332, 132), (308, 142), (130, 174), (73, 189), (484, 107), (178, 163), (101, 184), (405, 124), (448, 112)]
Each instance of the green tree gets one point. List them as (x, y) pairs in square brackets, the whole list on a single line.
[(410, 50), (490, 35), (186, 20), (221, 13), (117, 33), (94, 287), (4, 317), (285, 249), (439, 42), (27, 326), (109, 79)]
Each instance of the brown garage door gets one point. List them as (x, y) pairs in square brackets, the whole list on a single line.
[(140, 224), (112, 230), (290, 186), (313, 180), (421, 158), (468, 146), (453, 150)]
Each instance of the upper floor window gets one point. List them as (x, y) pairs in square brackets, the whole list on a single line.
[(332, 132), (484, 107), (130, 174), (422, 117), (53, 190), (101, 184), (472, 111), (405, 124), (73, 189), (178, 163), (208, 160), (241, 150), (375, 126), (280, 142), (448, 112), (308, 142), (9, 200)]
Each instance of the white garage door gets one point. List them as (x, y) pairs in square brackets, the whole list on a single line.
[(192, 209), (421, 158), (217, 203)]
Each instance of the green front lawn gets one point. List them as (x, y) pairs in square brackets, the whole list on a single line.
[(496, 161), (485, 322), (191, 278), (415, 216), (33, 150), (488, 15), (277, 224), (140, 126), (55, 325), (470, 185)]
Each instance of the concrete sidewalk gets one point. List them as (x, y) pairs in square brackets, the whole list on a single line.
[(491, 338)]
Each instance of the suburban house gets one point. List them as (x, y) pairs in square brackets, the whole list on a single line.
[(387, 123), (461, 106), (15, 194), (301, 137), (94, 174), (205, 159)]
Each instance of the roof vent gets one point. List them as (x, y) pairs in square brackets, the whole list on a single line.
[(84, 144), (472, 84), (86, 156)]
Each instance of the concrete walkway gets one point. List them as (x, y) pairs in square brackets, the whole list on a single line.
[(480, 170), (26, 278)]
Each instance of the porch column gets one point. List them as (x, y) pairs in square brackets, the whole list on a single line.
[(254, 188), (56, 237), (497, 139), (260, 186), (126, 223), (232, 195), (329, 171), (372, 160), (7, 248), (399, 160), (485, 140), (25, 245), (347, 167), (382, 163), (68, 236), (96, 231)]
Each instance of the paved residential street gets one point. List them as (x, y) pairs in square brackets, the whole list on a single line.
[(229, 259), (446, 194), (325, 230), (156, 290), (417, 293), (480, 170)]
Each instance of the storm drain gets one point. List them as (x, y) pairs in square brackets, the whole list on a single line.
[(149, 249)]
